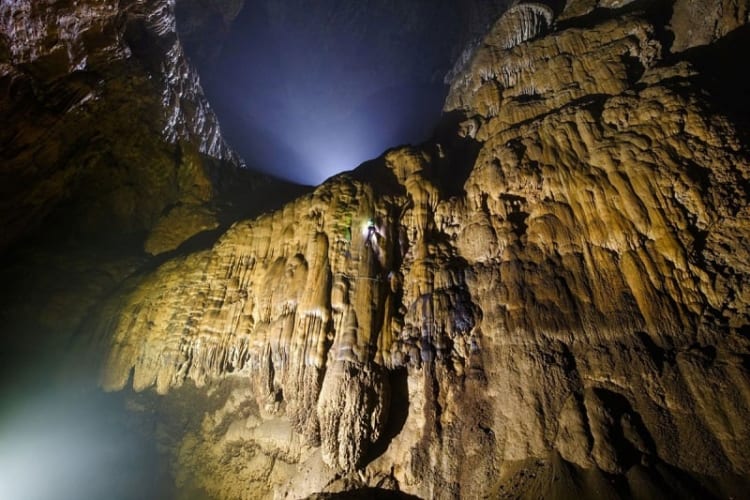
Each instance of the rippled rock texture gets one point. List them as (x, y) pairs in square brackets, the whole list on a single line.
[(550, 298), (109, 155)]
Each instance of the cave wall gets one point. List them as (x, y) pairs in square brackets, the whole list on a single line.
[(549, 298), (106, 120), (110, 155)]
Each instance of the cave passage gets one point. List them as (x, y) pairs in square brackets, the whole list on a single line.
[(304, 93)]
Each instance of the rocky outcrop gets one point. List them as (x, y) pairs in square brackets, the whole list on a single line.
[(700, 23), (522, 23), (548, 296), (110, 158), (65, 39), (332, 72), (693, 23), (107, 128)]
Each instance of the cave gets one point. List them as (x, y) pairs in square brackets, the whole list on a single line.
[(377, 249)]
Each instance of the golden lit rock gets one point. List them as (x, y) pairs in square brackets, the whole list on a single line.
[(553, 293)]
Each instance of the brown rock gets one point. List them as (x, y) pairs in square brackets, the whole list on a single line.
[(575, 310), (699, 23)]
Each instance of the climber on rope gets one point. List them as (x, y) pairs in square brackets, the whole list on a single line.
[(371, 233)]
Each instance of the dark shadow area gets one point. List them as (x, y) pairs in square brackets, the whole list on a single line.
[(399, 411), (377, 175), (558, 479), (659, 356), (366, 494), (461, 154), (621, 410), (201, 241), (724, 77), (706, 353)]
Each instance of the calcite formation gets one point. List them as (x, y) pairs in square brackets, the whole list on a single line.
[(553, 293), (109, 155)]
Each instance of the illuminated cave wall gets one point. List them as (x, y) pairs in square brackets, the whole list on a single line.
[(569, 305)]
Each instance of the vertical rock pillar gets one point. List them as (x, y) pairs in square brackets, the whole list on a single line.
[(355, 394)]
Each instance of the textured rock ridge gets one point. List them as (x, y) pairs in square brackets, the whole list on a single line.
[(522, 23), (327, 287), (106, 124), (83, 33), (555, 295), (109, 157)]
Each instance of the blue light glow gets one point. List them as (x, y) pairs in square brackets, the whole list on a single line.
[(306, 93), (76, 444)]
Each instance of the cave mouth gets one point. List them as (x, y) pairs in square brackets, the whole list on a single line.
[(303, 93)]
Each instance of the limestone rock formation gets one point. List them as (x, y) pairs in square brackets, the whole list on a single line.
[(522, 23), (549, 297), (109, 154), (698, 23)]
